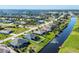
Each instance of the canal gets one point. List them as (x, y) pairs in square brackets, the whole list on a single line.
[(53, 46)]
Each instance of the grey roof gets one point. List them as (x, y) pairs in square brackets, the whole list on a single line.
[(30, 36), (5, 31), (18, 42)]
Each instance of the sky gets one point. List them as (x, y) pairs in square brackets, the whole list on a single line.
[(39, 6)]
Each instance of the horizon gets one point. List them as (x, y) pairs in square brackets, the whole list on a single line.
[(41, 7)]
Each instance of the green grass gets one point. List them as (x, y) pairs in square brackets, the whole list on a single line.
[(7, 42), (3, 36), (72, 43), (18, 30)]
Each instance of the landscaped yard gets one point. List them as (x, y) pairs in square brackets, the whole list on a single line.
[(72, 43)]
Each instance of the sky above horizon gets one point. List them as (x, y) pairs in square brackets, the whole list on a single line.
[(39, 7)]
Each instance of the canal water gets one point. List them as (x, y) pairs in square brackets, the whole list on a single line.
[(53, 46)]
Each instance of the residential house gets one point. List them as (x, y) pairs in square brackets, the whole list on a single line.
[(54, 26), (4, 49), (38, 32), (19, 43), (31, 37), (5, 31), (40, 21), (7, 21), (20, 22), (47, 28)]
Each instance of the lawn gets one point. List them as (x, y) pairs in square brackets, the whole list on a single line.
[(72, 43), (4, 36), (18, 30), (7, 42)]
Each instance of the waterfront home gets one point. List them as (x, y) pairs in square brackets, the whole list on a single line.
[(19, 43), (31, 36), (5, 31)]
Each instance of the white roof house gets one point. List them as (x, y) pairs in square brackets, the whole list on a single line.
[(40, 21), (47, 28)]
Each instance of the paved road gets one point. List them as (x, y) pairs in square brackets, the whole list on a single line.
[(11, 38)]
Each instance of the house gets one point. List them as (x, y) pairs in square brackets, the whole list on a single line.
[(54, 26), (38, 32), (19, 43), (4, 49), (40, 21), (47, 28), (20, 22), (31, 37), (5, 31), (7, 21)]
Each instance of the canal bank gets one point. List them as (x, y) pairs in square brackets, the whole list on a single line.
[(53, 46), (71, 45)]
